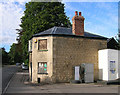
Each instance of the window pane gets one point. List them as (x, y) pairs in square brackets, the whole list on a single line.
[(42, 67), (45, 65), (42, 44), (30, 45)]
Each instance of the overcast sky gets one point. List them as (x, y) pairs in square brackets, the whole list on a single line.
[(100, 18)]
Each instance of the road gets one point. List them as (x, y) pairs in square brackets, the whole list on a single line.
[(20, 84), (7, 72)]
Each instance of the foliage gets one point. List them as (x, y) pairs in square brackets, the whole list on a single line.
[(26, 62), (40, 16), (15, 54), (118, 45), (5, 57), (118, 40)]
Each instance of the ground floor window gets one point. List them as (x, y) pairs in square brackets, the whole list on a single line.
[(42, 67)]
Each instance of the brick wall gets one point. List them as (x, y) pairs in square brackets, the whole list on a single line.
[(69, 52), (78, 24)]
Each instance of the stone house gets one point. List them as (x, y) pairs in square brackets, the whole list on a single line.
[(54, 53)]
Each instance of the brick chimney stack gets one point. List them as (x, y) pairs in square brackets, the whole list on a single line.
[(78, 24)]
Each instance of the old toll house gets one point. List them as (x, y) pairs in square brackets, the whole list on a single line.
[(54, 53)]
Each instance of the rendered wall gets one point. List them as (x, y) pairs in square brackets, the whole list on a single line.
[(42, 56), (30, 60), (102, 56), (109, 64), (112, 56)]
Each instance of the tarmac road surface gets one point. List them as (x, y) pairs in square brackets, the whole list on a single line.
[(7, 72), (20, 84)]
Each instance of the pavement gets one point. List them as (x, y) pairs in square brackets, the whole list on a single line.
[(7, 72), (20, 84)]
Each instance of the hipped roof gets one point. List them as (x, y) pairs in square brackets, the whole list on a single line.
[(66, 32)]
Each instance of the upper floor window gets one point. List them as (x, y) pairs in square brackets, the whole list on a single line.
[(30, 46), (42, 44)]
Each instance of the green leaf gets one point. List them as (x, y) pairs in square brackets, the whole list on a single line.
[(40, 16)]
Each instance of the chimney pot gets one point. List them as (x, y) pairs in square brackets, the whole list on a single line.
[(78, 24), (76, 13), (79, 13)]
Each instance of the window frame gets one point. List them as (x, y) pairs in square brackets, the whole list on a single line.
[(39, 45), (42, 67), (30, 46)]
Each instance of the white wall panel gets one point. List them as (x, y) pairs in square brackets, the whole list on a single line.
[(109, 67)]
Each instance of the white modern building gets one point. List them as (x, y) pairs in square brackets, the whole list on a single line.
[(109, 64)]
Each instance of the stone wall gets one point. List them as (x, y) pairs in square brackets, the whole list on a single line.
[(72, 51), (62, 55)]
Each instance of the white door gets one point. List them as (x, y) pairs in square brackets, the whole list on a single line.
[(77, 72)]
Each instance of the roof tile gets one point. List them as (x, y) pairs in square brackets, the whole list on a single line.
[(65, 31)]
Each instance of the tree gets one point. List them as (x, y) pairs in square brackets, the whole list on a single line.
[(119, 39), (118, 46), (15, 54), (40, 16), (20, 33), (5, 57)]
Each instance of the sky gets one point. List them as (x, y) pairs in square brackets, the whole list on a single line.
[(100, 18)]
